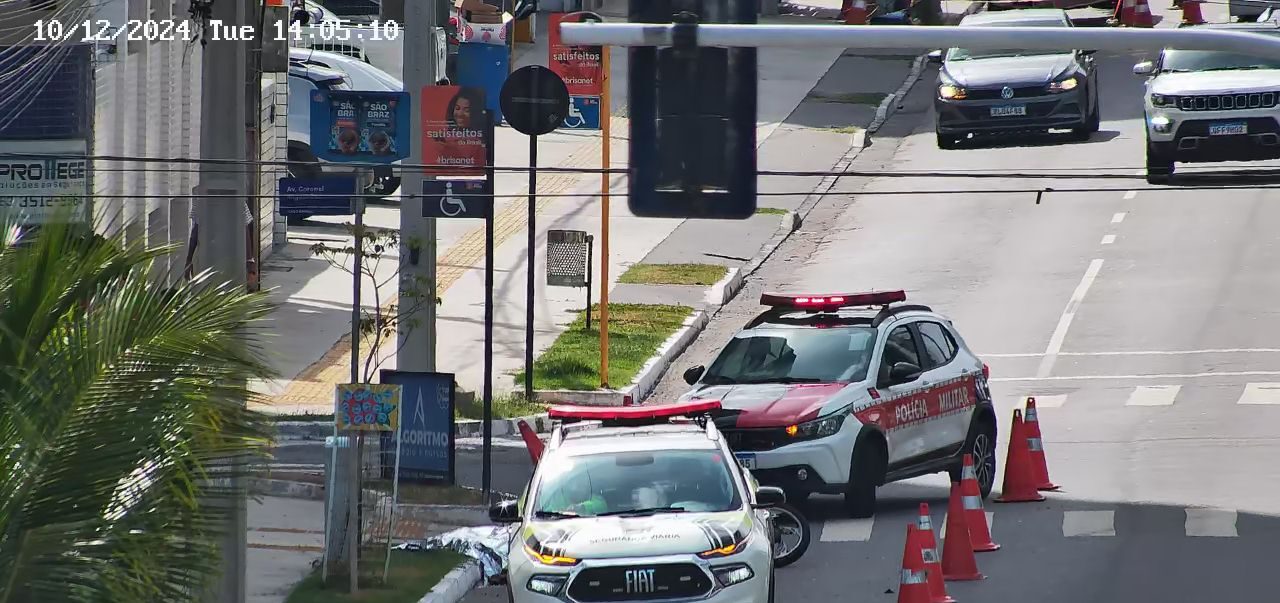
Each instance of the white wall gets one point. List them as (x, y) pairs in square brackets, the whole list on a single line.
[(148, 103)]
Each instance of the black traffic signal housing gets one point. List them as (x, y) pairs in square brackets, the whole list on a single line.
[(693, 116)]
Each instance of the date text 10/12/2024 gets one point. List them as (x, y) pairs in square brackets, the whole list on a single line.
[(161, 30)]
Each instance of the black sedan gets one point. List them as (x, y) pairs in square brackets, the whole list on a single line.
[(999, 91)]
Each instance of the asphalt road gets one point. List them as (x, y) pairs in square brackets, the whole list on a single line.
[(1142, 319)]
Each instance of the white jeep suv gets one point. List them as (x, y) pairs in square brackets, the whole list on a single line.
[(638, 507), (1209, 105)]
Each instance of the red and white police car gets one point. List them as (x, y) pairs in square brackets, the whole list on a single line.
[(843, 393)]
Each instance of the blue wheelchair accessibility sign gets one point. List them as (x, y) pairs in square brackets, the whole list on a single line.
[(584, 113)]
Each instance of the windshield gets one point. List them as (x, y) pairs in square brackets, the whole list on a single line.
[(965, 54), (1178, 61), (795, 355), (621, 483)]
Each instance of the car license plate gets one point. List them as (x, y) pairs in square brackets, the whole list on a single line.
[(1228, 129), (1008, 111), (748, 461)]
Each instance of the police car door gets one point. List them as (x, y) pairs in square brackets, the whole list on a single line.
[(900, 384), (950, 389)]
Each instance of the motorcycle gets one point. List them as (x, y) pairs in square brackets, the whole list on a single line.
[(791, 534)]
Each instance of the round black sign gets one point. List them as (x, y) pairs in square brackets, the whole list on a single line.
[(534, 100)]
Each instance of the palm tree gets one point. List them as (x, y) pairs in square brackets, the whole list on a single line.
[(120, 399)]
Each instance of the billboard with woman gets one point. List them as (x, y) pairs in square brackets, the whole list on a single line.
[(454, 131)]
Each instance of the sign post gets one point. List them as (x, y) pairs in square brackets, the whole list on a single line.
[(535, 101), (606, 120), (458, 140), (585, 70), (368, 127)]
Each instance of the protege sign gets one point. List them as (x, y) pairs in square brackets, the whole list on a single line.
[(38, 188)]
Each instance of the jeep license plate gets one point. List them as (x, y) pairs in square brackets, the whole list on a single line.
[(748, 461), (1009, 111), (1233, 128)]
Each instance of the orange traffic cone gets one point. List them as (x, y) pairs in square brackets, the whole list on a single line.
[(929, 550), (1035, 444), (1019, 477), (914, 587), (531, 441), (975, 515), (958, 561), (1142, 14), (1191, 14), (856, 13)]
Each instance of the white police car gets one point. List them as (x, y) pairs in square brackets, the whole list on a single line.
[(840, 394), (631, 505)]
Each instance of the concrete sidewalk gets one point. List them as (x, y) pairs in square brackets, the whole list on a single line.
[(314, 299)]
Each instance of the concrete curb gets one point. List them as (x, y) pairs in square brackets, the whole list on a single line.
[(456, 584), (892, 103)]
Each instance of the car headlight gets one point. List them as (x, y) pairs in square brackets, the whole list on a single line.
[(728, 575), (952, 92), (1161, 124), (547, 584), (726, 550), (817, 428), (1163, 100), (547, 559), (1064, 85)]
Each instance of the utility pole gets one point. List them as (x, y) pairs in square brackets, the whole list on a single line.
[(220, 221), (417, 344)]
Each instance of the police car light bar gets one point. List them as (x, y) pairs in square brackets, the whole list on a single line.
[(833, 300), (657, 413)]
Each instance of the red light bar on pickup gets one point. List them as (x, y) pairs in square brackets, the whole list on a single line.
[(657, 413), (833, 301)]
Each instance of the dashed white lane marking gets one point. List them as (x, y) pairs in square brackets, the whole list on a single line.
[(1088, 523), (1142, 353), (1119, 217), (1109, 239), (1211, 523), (991, 516), (1129, 195), (1260, 393), (1159, 376), (847, 530), (1068, 314), (1153, 395)]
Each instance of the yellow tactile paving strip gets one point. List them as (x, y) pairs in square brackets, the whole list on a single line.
[(315, 384)]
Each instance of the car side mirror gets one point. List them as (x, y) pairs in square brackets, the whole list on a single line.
[(693, 373), (1144, 68), (505, 511), (769, 496), (902, 372), (935, 56)]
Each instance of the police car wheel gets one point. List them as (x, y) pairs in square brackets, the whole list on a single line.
[(980, 444), (865, 474)]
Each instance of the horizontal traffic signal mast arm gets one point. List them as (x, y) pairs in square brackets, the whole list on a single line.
[(917, 36)]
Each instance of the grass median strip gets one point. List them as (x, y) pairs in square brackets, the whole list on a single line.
[(636, 331), (673, 274), (772, 211), (413, 574)]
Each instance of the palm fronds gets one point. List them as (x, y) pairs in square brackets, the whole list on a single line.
[(120, 400)]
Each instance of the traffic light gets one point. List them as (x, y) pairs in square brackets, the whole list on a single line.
[(693, 116)]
